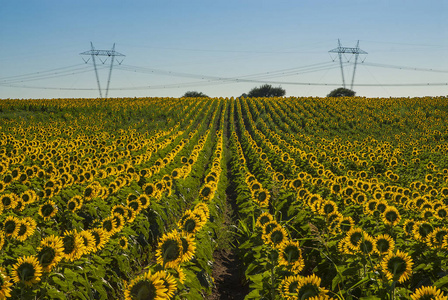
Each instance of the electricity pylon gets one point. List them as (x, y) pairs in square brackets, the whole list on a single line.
[(343, 50), (108, 53)]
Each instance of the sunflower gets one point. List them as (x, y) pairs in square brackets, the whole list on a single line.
[(367, 245), (277, 236), (73, 245), (28, 196), (2, 239), (296, 183), (288, 287), (169, 282), (203, 208), (189, 223), (11, 226), (345, 224), (333, 219), (263, 219), (78, 200), (48, 210), (207, 192), (109, 225), (268, 227), (130, 215), (26, 228), (123, 243), (202, 216), (435, 238), (290, 256), (254, 185), (397, 267), (119, 222), (327, 207), (441, 213), (5, 284), (384, 244), (100, 237), (144, 200), (119, 209), (169, 250), (149, 189), (309, 286), (391, 216), (72, 205), (88, 241), (354, 238), (421, 230), (50, 252), (408, 226), (27, 270), (261, 197), (180, 274), (147, 286), (8, 201), (428, 292), (188, 247)]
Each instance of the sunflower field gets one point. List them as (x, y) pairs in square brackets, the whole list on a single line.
[(320, 198)]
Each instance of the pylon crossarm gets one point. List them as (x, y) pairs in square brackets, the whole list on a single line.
[(98, 53)]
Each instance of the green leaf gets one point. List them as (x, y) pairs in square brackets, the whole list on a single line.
[(441, 282), (54, 293)]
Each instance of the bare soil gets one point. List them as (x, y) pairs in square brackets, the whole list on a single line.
[(228, 277)]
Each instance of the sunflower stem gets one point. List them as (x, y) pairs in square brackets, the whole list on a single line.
[(392, 290)]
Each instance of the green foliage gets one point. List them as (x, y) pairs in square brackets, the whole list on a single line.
[(341, 92), (194, 94), (266, 90)]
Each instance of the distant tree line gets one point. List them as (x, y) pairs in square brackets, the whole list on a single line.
[(268, 90)]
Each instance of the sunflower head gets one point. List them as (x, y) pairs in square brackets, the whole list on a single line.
[(397, 266), (190, 223), (188, 247), (147, 286), (169, 282), (354, 238), (391, 216), (27, 270), (261, 197), (428, 292), (309, 286), (48, 210), (123, 243), (11, 226), (5, 284), (100, 238), (384, 244), (277, 236), (73, 245), (288, 287), (290, 256), (169, 250), (422, 230), (50, 252), (263, 219)]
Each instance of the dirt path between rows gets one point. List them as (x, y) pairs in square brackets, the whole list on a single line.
[(228, 277)]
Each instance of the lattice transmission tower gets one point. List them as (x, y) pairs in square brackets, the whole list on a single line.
[(356, 51), (93, 53)]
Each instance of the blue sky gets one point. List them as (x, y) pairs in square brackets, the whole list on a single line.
[(221, 39)]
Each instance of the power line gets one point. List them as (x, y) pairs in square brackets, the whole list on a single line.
[(40, 73), (83, 69), (148, 87), (404, 68)]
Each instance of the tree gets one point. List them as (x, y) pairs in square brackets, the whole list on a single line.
[(194, 94), (266, 90), (341, 92)]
